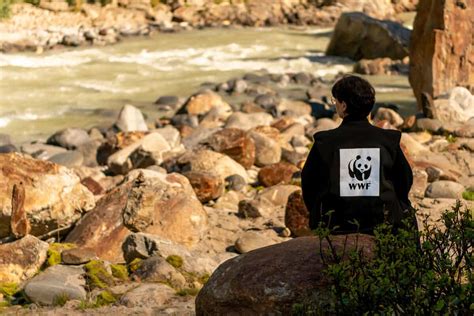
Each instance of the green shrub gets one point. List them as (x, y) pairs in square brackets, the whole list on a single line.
[(119, 271), (5, 9), (412, 273)]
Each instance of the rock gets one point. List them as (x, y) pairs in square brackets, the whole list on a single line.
[(433, 173), (380, 66), (93, 186), (255, 208), (246, 121), (194, 138), (322, 124), (165, 205), (21, 259), (54, 5), (359, 36), (430, 125), (297, 215), (444, 189), (148, 295), (19, 223), (157, 269), (441, 52), (68, 159), (77, 256), (420, 182), (277, 195), (102, 230), (268, 151), (386, 114), (294, 130), (89, 152), (300, 141), (69, 138), (267, 101), (54, 196), (279, 173), (41, 151), (5, 149), (5, 139), (457, 106), (210, 161), (168, 101), (171, 135), (250, 240), (146, 152), (294, 108), (56, 284), (131, 119), (234, 143), (235, 182), (207, 186), (202, 103), (272, 279), (145, 246), (295, 156)]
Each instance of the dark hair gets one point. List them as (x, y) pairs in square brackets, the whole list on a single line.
[(357, 93)]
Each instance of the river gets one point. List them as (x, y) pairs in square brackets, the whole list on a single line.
[(85, 87)]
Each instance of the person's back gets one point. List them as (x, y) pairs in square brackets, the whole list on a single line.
[(357, 170)]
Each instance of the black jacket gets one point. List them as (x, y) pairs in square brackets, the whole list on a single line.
[(360, 172)]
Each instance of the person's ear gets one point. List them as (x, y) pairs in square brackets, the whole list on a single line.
[(344, 107)]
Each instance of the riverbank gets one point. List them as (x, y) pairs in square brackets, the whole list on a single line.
[(54, 25), (221, 172)]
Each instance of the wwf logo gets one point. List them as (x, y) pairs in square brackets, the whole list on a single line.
[(360, 168)]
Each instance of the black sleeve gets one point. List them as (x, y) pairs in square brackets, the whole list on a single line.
[(402, 178), (313, 179)]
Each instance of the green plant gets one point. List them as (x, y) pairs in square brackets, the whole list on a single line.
[(411, 273), (468, 195), (5, 9), (451, 138), (61, 299), (33, 2), (175, 261)]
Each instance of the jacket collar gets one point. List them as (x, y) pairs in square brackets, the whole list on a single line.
[(354, 119)]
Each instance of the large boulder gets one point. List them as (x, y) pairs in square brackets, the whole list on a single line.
[(54, 196), (359, 36), (102, 230), (441, 50), (20, 260), (165, 205), (272, 279)]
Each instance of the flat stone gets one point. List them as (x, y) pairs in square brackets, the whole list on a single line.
[(68, 159), (76, 256), (69, 138), (148, 295), (445, 189), (56, 283)]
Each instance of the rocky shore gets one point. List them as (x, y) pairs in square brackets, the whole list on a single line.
[(202, 197), (52, 24), (140, 214)]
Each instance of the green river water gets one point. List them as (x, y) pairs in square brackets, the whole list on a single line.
[(85, 87)]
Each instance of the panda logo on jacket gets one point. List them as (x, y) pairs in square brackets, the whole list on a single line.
[(359, 171)]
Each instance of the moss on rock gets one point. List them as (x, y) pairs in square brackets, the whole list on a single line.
[(134, 265), (175, 260), (97, 275), (54, 252), (119, 271)]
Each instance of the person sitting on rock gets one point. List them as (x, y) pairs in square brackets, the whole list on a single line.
[(357, 170)]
